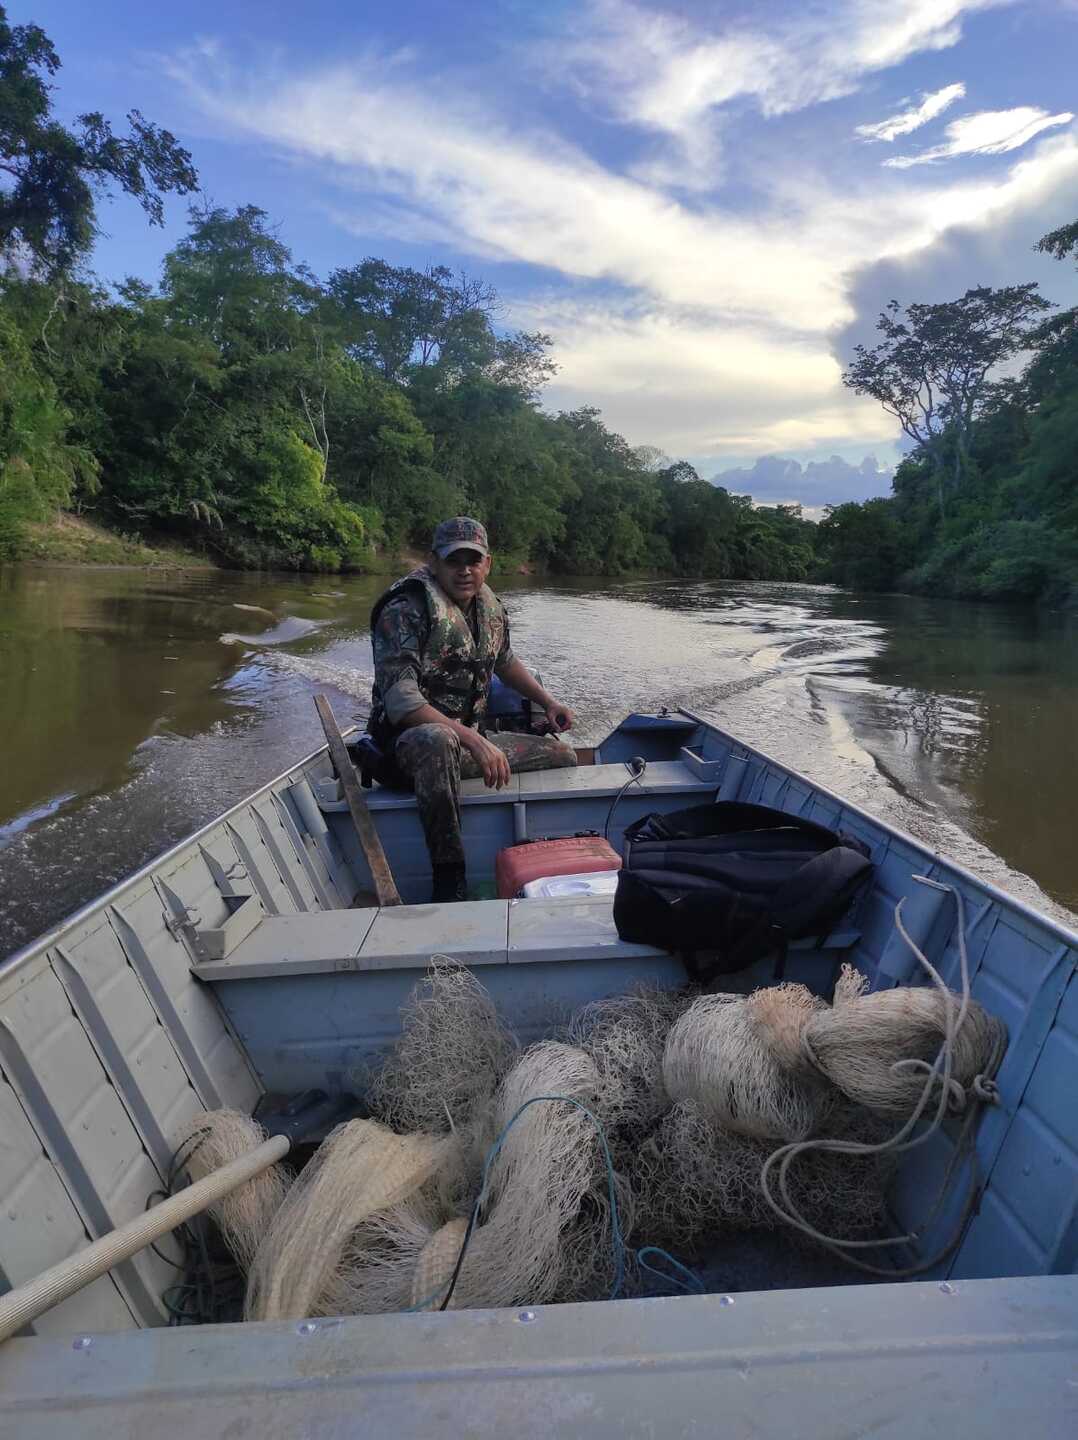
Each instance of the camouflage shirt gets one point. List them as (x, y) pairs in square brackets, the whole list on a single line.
[(427, 651)]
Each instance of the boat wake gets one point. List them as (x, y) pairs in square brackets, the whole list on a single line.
[(292, 627), (348, 679)]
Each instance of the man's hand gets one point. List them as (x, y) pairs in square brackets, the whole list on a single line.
[(559, 716), (488, 757)]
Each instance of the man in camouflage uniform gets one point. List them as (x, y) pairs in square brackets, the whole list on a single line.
[(438, 635)]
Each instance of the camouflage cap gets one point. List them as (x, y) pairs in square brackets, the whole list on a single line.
[(460, 533)]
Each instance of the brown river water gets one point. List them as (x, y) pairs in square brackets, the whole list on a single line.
[(135, 706)]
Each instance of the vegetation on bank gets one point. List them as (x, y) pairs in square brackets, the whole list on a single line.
[(986, 505), (73, 540), (259, 416), (266, 417)]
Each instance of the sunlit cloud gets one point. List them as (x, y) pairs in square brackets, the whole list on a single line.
[(990, 132), (666, 72), (906, 121), (696, 322)]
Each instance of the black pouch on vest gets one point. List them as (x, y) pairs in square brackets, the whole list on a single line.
[(737, 881)]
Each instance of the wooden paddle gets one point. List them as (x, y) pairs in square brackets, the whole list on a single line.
[(384, 884)]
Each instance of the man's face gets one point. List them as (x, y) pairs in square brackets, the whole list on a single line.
[(462, 575)]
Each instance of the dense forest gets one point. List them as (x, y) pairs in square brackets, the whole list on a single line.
[(267, 417), (272, 418), (985, 506)]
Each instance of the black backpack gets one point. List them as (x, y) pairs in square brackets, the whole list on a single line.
[(735, 881)]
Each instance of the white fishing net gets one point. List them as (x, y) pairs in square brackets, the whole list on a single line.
[(435, 1264), (305, 1263), (719, 1056), (549, 1160), (780, 1014), (877, 1048), (453, 1050), (381, 1257), (625, 1036), (692, 1097), (215, 1138), (695, 1181)]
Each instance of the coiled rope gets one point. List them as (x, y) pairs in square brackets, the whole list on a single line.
[(951, 1097)]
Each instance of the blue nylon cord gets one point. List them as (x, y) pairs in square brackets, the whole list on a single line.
[(684, 1278)]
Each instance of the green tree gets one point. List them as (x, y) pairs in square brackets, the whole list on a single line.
[(403, 321), (859, 544), (932, 370), (222, 404), (39, 467), (54, 174)]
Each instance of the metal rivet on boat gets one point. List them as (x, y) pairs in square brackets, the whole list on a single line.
[(527, 1316), (948, 1288), (726, 1299), (81, 1342), (306, 1327)]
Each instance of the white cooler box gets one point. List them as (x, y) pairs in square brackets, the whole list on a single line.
[(572, 887)]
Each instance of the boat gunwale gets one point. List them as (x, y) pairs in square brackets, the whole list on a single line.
[(20, 957), (31, 951), (1013, 902)]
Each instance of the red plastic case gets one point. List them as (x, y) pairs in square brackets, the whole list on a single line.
[(575, 855)]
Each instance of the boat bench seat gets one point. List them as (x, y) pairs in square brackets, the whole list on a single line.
[(476, 932), (583, 782)]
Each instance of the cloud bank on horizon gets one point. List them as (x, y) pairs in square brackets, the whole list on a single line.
[(701, 209)]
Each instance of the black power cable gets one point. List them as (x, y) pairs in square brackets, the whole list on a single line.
[(637, 765)]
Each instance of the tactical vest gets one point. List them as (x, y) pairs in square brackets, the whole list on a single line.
[(454, 670)]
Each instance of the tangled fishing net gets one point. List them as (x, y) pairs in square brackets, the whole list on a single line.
[(215, 1138), (971, 1044), (546, 1164), (877, 1049), (453, 1050), (501, 1177), (694, 1180), (362, 1174), (435, 1264), (625, 1036), (720, 1055)]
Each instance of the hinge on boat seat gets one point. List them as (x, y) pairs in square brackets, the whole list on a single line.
[(244, 911), (181, 921)]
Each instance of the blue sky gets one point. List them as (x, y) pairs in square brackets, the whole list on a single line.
[(705, 204)]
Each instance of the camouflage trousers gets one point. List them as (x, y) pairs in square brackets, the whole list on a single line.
[(435, 762)]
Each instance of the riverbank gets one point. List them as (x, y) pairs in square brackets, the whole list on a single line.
[(73, 540)]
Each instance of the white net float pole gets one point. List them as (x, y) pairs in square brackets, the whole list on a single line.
[(24, 1304)]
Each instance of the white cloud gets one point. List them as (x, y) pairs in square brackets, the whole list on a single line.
[(539, 200), (906, 121), (989, 132), (696, 387), (661, 72), (717, 339)]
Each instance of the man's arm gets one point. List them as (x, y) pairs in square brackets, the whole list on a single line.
[(490, 759), (517, 675)]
